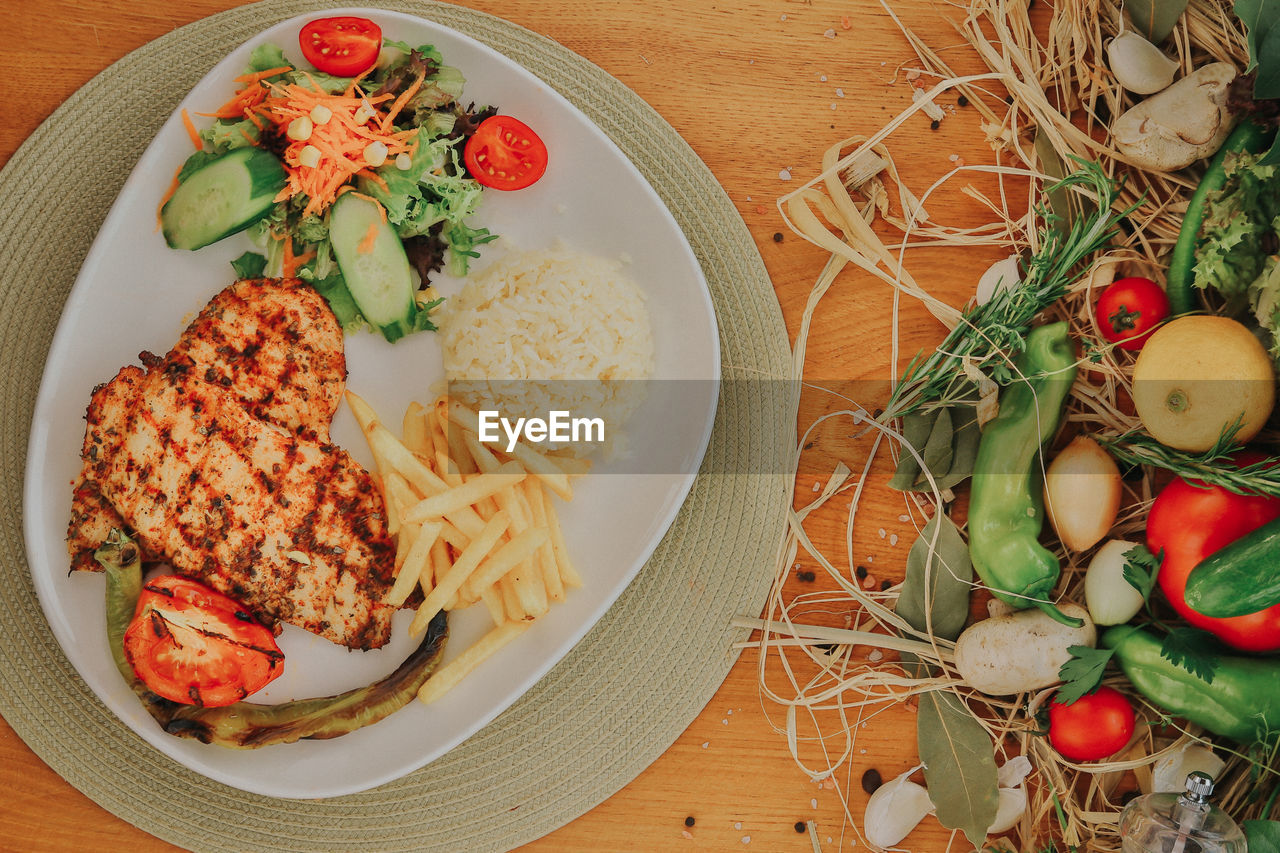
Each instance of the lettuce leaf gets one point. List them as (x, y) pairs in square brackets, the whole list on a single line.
[(266, 56), (1239, 239), (433, 196), (249, 265)]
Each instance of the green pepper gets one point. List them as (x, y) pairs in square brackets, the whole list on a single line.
[(1246, 136), (1006, 504), (247, 725), (1242, 702)]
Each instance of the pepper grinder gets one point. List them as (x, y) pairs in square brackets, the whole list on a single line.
[(1180, 823)]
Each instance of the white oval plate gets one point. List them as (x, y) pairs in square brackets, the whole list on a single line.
[(135, 294)]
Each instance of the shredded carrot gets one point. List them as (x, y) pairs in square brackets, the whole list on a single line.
[(382, 211), (191, 130), (365, 246), (355, 81), (258, 76), (341, 141), (286, 259), (390, 117), (291, 263), (374, 177)]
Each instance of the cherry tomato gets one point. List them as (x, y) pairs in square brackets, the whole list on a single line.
[(1092, 727), (1129, 310), (1189, 520), (196, 646), (504, 153), (342, 46)]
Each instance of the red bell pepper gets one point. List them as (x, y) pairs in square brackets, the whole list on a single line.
[(1190, 520)]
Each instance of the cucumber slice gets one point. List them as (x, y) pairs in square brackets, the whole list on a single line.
[(373, 264), (224, 196)]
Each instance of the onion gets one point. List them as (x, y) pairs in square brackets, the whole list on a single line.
[(1111, 599), (1082, 493)]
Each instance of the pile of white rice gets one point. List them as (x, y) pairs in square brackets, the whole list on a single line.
[(570, 329)]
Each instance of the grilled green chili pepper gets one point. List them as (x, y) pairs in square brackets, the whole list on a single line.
[(1242, 702), (1006, 505), (246, 725)]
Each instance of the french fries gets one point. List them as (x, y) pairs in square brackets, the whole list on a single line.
[(474, 525)]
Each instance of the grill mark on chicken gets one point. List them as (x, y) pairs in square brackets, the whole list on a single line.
[(231, 479), (275, 345), (323, 562)]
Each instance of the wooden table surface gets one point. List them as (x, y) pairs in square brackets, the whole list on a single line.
[(759, 88)]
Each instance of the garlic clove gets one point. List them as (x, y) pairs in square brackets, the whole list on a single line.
[(1013, 771), (1138, 65), (1169, 774), (1002, 275), (895, 809), (1012, 803)]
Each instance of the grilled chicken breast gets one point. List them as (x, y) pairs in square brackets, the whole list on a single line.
[(217, 457), (272, 343)]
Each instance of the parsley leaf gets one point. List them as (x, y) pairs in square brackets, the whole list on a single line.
[(1082, 673), (1141, 568), (1192, 649)]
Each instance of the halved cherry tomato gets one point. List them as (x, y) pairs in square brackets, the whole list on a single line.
[(1130, 309), (1092, 727), (504, 153), (194, 645), (342, 46)]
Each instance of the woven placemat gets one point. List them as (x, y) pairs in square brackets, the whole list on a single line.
[(612, 706)]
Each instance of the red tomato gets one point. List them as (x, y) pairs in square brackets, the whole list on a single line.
[(1129, 310), (505, 154), (1189, 521), (341, 46), (1092, 727), (194, 645)]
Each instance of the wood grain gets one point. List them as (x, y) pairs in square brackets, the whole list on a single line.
[(759, 88)]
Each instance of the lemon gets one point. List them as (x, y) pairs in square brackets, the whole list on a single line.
[(1197, 376)]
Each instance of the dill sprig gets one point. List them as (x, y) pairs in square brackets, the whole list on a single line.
[(991, 335), (1215, 466)]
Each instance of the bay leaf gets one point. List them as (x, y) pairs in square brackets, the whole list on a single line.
[(947, 441), (937, 450), (1154, 19), (1062, 202), (916, 429), (964, 447), (937, 591), (959, 764)]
